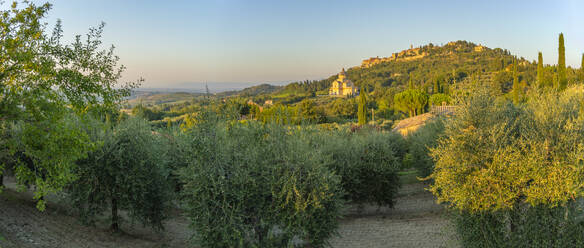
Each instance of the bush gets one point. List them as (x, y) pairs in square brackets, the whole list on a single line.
[(253, 185), (420, 143), (525, 226), (513, 172), (178, 149), (439, 99), (128, 172), (367, 161)]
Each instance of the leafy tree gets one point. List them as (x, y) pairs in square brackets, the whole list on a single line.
[(362, 108), (412, 102), (306, 111), (384, 107), (562, 80), (252, 185), (540, 79), (255, 111), (438, 99), (521, 139), (128, 172), (42, 83), (345, 108), (420, 143), (502, 82), (507, 169), (367, 162)]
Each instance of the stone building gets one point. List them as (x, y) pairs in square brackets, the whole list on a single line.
[(343, 86)]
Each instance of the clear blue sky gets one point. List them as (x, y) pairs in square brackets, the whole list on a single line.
[(170, 43)]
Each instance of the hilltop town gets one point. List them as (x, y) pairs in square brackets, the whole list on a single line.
[(412, 54)]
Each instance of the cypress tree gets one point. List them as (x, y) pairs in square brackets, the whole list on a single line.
[(362, 109), (436, 88), (445, 88), (540, 70), (582, 69), (411, 83), (516, 86), (562, 79)]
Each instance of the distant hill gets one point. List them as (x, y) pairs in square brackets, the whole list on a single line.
[(156, 98), (252, 91), (455, 60), (152, 97), (426, 66)]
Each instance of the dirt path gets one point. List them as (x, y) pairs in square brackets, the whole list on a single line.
[(416, 221)]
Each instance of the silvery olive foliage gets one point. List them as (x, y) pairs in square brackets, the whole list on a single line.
[(512, 173), (258, 185), (127, 171)]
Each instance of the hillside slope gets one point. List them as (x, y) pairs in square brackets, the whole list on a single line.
[(451, 63)]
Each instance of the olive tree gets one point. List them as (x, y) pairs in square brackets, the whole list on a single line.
[(128, 171), (420, 143), (367, 162), (513, 173), (254, 185)]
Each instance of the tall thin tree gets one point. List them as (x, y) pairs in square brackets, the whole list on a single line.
[(582, 69), (207, 91), (516, 86), (562, 80), (411, 82), (539, 79), (362, 108), (436, 88)]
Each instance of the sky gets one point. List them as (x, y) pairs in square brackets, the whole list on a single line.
[(176, 44)]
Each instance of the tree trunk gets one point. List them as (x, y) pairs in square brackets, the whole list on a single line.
[(115, 225), (1, 180), (308, 241)]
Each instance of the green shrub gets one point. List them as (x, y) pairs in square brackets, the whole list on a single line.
[(178, 151), (525, 226), (367, 161), (254, 185), (127, 172), (514, 172), (421, 142), (439, 98)]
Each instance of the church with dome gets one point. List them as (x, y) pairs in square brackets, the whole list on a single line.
[(343, 86)]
